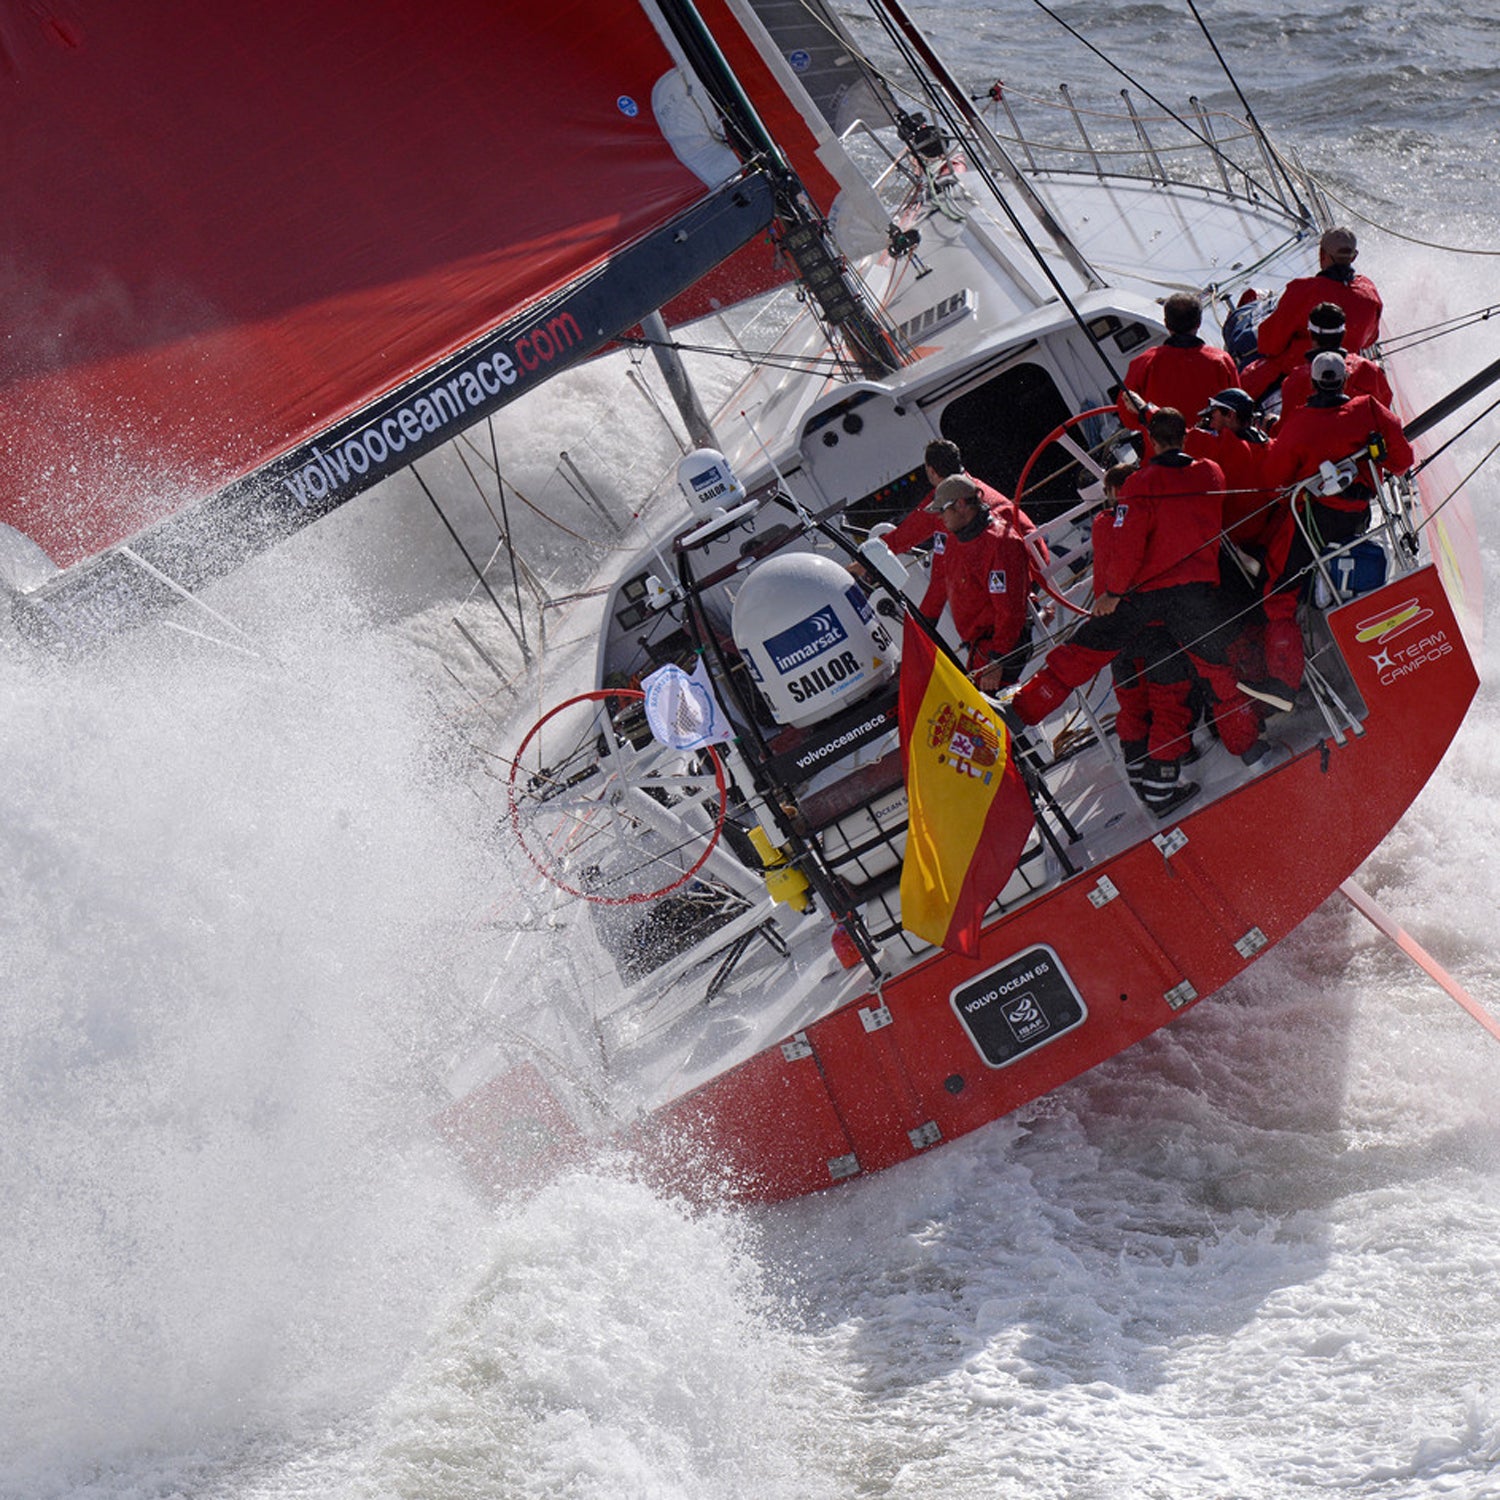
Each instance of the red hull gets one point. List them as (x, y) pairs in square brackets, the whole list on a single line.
[(855, 1093)]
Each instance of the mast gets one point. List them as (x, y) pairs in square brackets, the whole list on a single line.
[(674, 372), (804, 238)]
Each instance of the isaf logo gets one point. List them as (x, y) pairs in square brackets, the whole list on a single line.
[(1025, 1017)]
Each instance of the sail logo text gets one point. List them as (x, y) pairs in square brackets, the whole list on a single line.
[(1395, 662), (456, 402)]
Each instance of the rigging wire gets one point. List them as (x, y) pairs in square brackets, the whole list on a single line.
[(943, 101), (811, 364), (503, 537), (468, 558), (1467, 427), (515, 572), (536, 509), (1286, 176), (1431, 516), (1396, 234), (1403, 343)]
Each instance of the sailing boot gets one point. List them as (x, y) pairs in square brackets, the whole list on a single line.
[(1162, 788), (1136, 762)]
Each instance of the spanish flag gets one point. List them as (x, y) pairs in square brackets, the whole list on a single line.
[(968, 812)]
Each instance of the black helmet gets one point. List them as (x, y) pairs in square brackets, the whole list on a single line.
[(1235, 401)]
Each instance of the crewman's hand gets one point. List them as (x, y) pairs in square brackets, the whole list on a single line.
[(1106, 604), (988, 677)]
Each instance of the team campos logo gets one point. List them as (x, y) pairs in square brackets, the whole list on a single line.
[(1392, 622), (1400, 657)]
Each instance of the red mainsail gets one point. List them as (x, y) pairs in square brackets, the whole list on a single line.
[(230, 229)]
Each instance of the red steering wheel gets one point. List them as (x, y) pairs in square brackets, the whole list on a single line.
[(1062, 436), (594, 812)]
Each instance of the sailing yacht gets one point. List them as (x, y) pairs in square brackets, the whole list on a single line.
[(279, 282)]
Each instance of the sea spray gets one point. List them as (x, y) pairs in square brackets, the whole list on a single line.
[(227, 886)]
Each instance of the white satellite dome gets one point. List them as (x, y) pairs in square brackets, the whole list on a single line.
[(810, 638)]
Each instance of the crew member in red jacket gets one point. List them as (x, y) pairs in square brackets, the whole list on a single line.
[(986, 572), (1332, 427), (1362, 377), (1282, 338), (1160, 566), (1153, 690), (942, 460), (1228, 435), (1183, 372)]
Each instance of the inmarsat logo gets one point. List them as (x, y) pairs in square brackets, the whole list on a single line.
[(1392, 662), (806, 639)]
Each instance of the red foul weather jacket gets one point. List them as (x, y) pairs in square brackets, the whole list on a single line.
[(1165, 530), (921, 525), (988, 582), (1283, 336), (1311, 434), (1183, 373), (1249, 510), (1362, 377)]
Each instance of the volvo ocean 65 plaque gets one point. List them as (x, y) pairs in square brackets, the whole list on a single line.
[(1019, 1005)]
